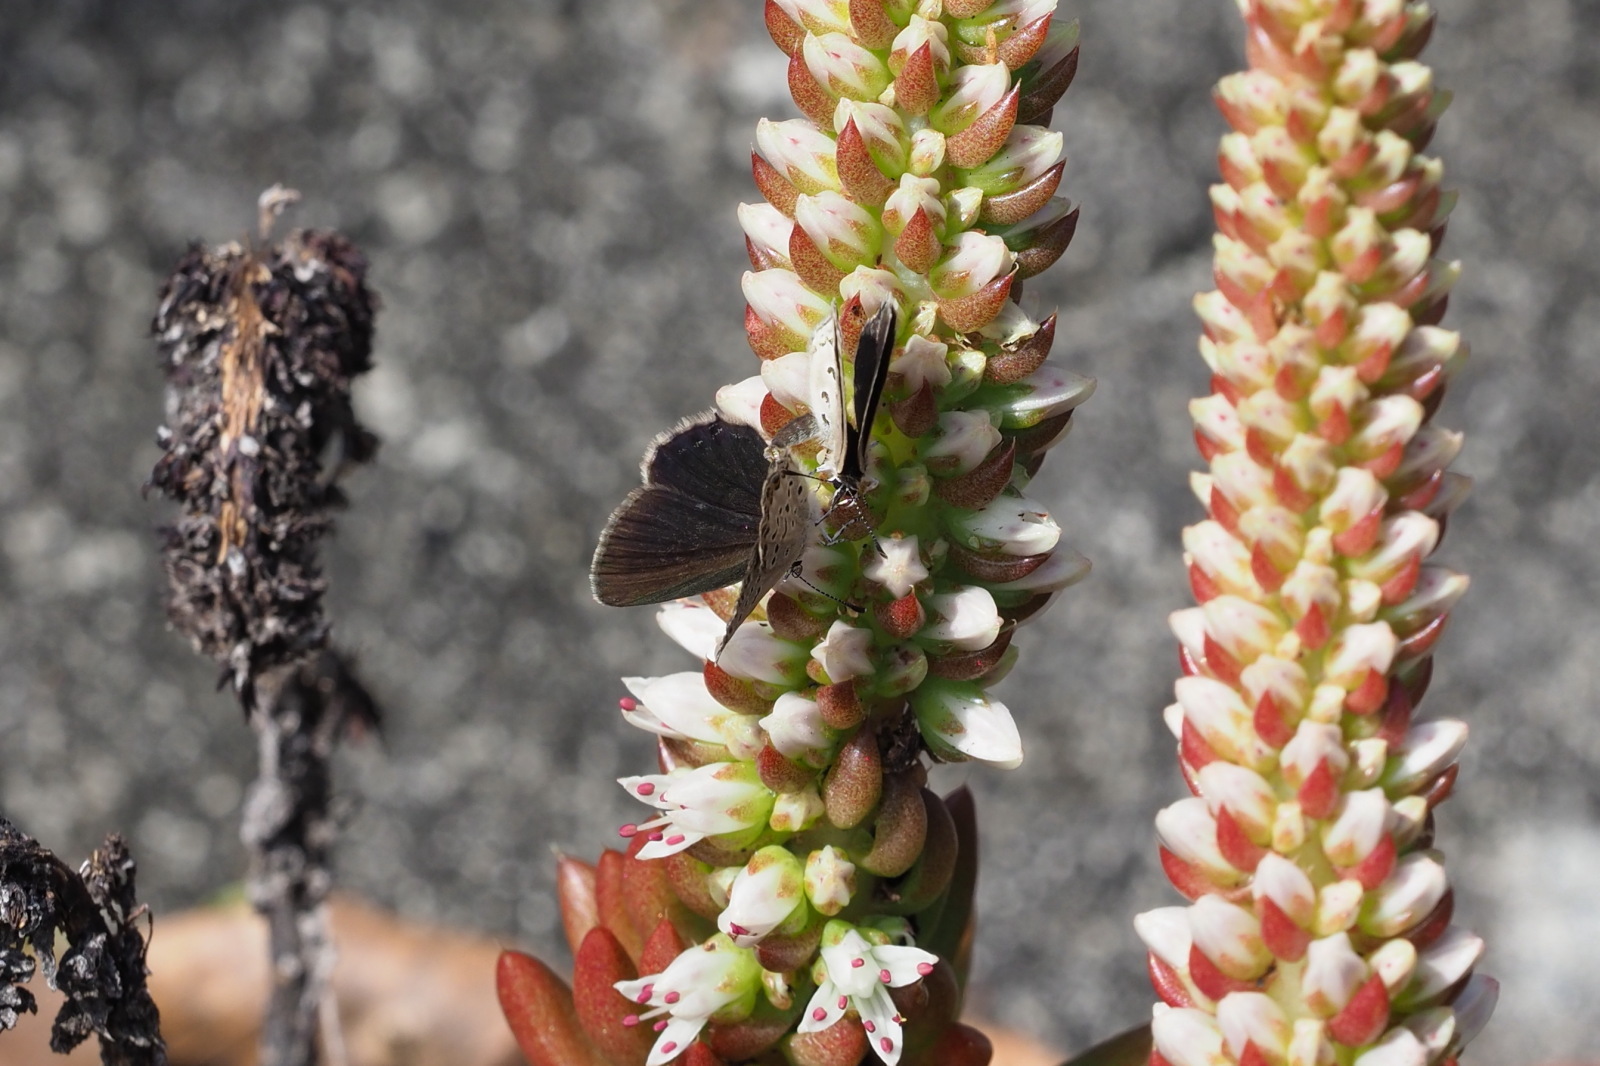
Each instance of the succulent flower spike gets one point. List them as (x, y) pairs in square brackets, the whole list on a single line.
[(1319, 928), (797, 890)]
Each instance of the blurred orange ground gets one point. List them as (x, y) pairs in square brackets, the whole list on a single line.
[(409, 995)]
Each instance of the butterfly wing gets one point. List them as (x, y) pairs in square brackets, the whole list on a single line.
[(870, 373), (693, 526), (826, 398), (780, 540)]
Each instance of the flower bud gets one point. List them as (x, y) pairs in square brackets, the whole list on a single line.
[(959, 721)]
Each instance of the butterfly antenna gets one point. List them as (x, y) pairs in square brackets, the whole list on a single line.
[(794, 571)]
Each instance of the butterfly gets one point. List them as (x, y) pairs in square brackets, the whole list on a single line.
[(843, 452), (719, 504)]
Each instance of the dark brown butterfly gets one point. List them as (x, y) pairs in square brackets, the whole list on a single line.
[(720, 505)]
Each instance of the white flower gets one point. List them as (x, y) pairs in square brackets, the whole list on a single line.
[(830, 880), (694, 626), (679, 706), (845, 652), (795, 727), (958, 722), (755, 653), (966, 617), (923, 362), (763, 896), (716, 978), (710, 800), (899, 568), (859, 975)]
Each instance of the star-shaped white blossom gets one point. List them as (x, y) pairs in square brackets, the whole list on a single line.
[(858, 977), (710, 978)]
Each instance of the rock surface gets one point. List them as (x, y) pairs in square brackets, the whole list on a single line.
[(546, 191)]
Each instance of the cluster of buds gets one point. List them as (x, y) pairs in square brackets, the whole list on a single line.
[(1319, 931), (798, 886)]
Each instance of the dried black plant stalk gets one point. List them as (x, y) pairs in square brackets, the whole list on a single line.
[(102, 972), (260, 346)]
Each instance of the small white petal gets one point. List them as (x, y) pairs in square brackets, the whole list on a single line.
[(694, 626), (786, 377), (755, 654), (964, 439), (678, 1034), (965, 617), (677, 705), (1411, 892), (741, 401), (960, 721), (1165, 931), (845, 652), (1015, 525), (899, 568), (823, 1010), (1424, 753), (1333, 973), (795, 726), (1399, 1047), (923, 362), (1252, 1017), (1188, 1037)]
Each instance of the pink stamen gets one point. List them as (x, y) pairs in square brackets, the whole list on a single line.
[(843, 1002), (883, 975), (628, 703), (647, 788), (630, 1020), (738, 930), (627, 831), (662, 1024), (924, 968), (675, 838), (646, 992), (819, 1015), (857, 963), (669, 1047), (868, 1026), (655, 836), (886, 1044), (671, 998)]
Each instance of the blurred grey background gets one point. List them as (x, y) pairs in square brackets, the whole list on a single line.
[(546, 191)]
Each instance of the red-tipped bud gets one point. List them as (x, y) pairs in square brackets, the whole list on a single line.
[(773, 186), (1363, 1019), (1038, 249), (839, 706), (1024, 44), (814, 268), (966, 314), (902, 618), (863, 182), (975, 489), (986, 135), (844, 1043), (734, 693), (787, 34), (916, 88), (854, 782), (1319, 793), (1285, 939), (781, 774), (876, 30), (814, 101), (918, 245), (899, 830)]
